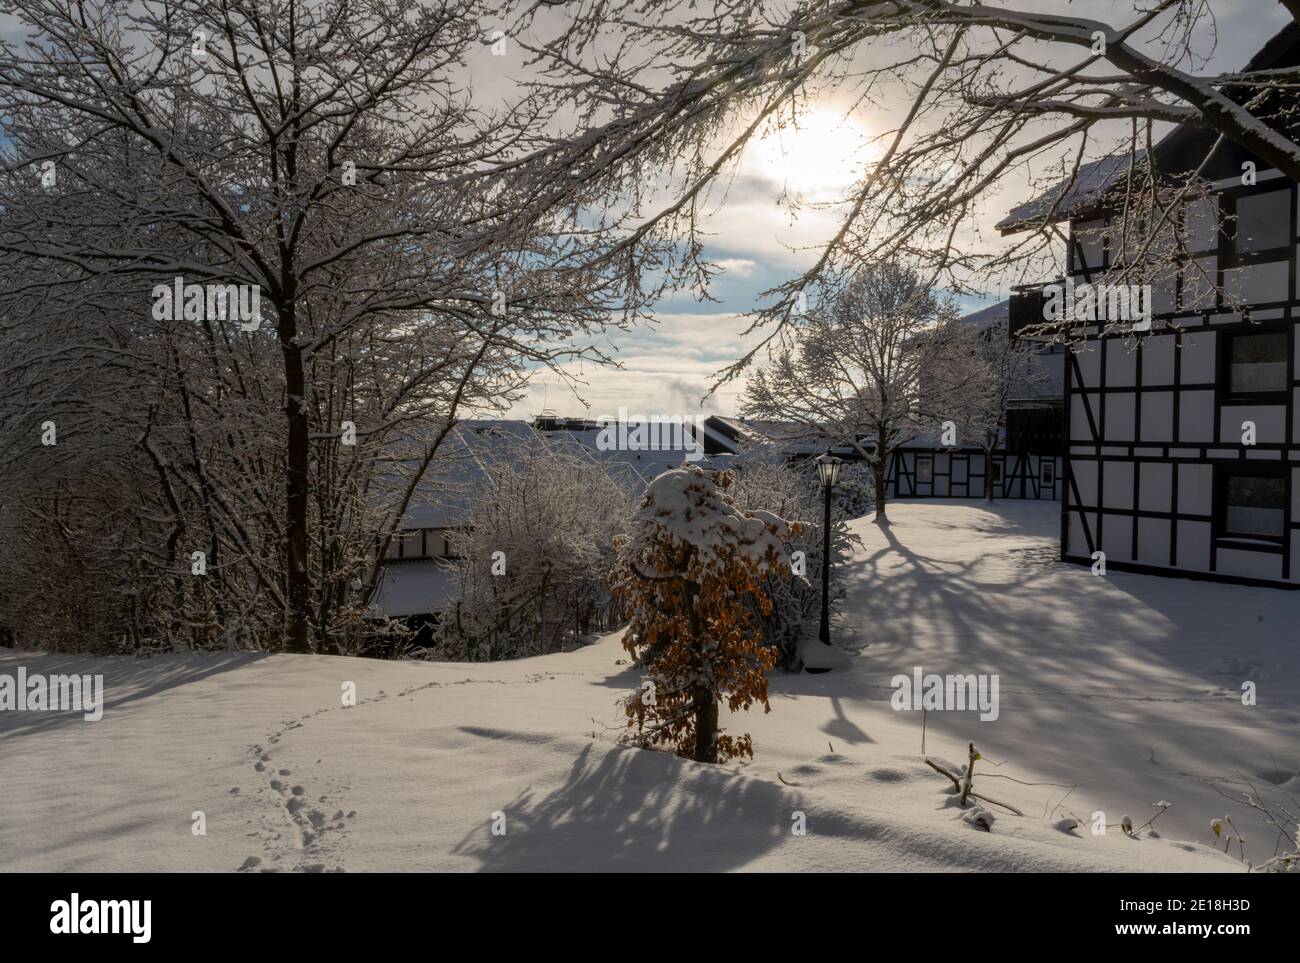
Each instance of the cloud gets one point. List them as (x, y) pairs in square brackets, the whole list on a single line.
[(667, 368), (741, 266)]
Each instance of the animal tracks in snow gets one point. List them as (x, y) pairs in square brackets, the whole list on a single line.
[(305, 830)]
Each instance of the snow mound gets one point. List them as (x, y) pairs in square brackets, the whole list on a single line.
[(1113, 694), (816, 654)]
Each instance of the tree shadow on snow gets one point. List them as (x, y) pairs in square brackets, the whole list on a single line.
[(634, 810), (1090, 667), (126, 681)]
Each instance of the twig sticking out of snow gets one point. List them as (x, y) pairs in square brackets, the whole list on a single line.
[(957, 784), (969, 777)]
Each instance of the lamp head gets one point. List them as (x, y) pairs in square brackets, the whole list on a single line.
[(828, 470)]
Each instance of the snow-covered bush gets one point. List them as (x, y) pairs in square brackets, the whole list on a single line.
[(854, 495), (793, 494), (692, 571), (535, 559)]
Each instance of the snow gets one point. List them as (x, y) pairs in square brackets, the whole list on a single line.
[(1085, 187), (413, 587), (446, 493), (686, 506), (1126, 687), (815, 654)]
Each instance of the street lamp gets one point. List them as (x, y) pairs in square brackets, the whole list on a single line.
[(828, 473)]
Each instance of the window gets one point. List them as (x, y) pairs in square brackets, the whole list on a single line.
[(404, 545), (997, 472), (1257, 363), (924, 471), (1252, 503), (1263, 221), (440, 543), (1047, 473), (1201, 224), (1036, 429)]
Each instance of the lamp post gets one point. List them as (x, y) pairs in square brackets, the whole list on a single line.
[(828, 473)]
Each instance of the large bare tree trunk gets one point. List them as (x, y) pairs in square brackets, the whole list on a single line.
[(297, 584)]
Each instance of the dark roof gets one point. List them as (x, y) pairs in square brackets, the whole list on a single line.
[(1282, 50)]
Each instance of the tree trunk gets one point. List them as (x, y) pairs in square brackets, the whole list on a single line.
[(988, 476), (706, 725), (298, 587), (878, 472), (702, 701)]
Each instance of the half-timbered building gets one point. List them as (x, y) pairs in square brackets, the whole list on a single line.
[(1183, 444)]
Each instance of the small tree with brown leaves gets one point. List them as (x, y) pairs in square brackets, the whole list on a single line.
[(684, 572)]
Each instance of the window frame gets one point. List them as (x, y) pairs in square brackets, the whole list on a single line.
[(1229, 216), (1248, 469), (1279, 396)]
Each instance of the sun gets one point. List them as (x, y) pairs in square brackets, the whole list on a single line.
[(818, 155)]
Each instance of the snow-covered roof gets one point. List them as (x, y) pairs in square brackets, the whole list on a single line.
[(461, 469), (984, 317), (926, 441), (1051, 361), (447, 490), (1071, 195), (1065, 198), (416, 587)]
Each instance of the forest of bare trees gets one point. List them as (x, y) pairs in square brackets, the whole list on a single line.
[(175, 473)]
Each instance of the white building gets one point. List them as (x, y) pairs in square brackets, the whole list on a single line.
[(1183, 452)]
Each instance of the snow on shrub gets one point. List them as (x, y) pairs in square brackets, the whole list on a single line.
[(793, 494), (691, 571), (532, 572)]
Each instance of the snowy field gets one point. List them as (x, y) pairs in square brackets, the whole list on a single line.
[(1125, 687)]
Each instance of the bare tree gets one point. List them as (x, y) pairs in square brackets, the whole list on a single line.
[(994, 95), (997, 370), (871, 352), (791, 624), (326, 157)]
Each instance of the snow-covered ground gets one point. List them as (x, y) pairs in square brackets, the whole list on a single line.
[(1126, 687)]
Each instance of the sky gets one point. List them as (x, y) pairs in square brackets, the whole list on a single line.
[(668, 367)]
